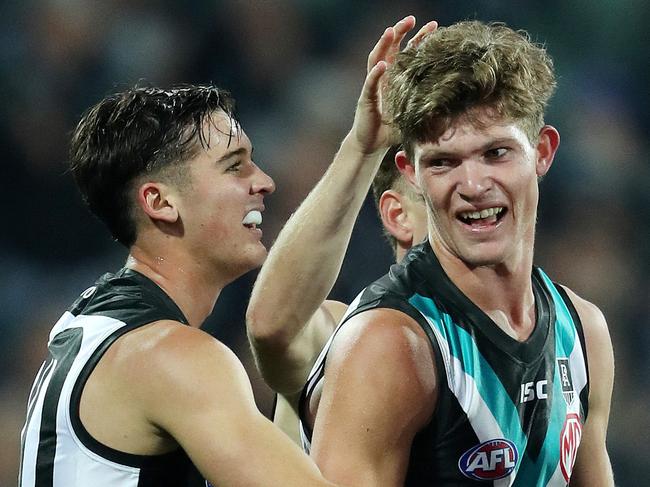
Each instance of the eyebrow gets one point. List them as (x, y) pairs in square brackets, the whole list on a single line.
[(435, 154), (233, 153)]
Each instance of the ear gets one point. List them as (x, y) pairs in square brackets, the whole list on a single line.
[(394, 217), (158, 202), (407, 168), (549, 141)]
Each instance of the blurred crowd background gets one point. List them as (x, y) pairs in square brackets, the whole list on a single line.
[(296, 67)]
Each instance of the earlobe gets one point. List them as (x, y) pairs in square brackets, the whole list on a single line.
[(549, 141), (156, 203)]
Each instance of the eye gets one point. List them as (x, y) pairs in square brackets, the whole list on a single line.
[(496, 153), (234, 167), (437, 163)]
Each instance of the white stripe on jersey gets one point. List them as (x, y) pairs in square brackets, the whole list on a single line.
[(313, 374), (31, 434), (463, 386), (74, 463)]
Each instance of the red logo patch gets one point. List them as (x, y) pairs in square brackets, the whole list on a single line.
[(569, 443)]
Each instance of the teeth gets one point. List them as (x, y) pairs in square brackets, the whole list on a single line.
[(253, 218), (476, 215)]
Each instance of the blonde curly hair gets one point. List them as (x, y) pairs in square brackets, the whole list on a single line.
[(464, 67)]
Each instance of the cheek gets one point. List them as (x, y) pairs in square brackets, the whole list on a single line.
[(525, 194), (439, 196), (214, 213)]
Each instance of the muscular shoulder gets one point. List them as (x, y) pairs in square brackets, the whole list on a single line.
[(383, 330), (167, 357), (154, 373), (593, 321), (587, 310), (600, 355), (379, 388), (388, 347)]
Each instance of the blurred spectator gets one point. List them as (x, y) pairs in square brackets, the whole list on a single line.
[(295, 68)]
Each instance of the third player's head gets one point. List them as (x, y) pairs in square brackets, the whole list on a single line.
[(469, 104), (401, 208), (172, 169)]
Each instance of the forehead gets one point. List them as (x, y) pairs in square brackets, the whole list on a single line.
[(222, 134), (467, 135)]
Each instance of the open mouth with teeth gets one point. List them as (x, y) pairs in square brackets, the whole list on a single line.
[(487, 216), (252, 219)]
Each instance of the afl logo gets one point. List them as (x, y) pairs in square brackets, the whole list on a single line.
[(569, 443), (491, 460)]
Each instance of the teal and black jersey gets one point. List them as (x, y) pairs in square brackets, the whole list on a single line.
[(508, 413)]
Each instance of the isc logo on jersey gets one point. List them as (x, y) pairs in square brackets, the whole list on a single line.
[(491, 460)]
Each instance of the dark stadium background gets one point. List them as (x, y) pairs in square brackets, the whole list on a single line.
[(295, 67)]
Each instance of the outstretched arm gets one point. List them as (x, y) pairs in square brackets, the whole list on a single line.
[(286, 323), (213, 416)]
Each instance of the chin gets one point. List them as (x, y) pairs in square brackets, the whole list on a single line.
[(482, 257), (255, 256)]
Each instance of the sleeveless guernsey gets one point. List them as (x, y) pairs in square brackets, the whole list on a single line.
[(508, 413), (57, 451)]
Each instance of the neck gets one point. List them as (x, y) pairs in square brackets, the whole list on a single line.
[(186, 282), (504, 291)]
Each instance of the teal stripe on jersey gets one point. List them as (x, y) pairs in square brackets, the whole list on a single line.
[(491, 390), (532, 474), (538, 473), (565, 333)]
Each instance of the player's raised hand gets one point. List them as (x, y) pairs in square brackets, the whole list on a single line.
[(371, 132)]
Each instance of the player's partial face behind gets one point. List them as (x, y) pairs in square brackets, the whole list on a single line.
[(218, 207), (404, 217), (480, 183), (416, 215)]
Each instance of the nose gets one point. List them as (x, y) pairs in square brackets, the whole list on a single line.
[(473, 179), (262, 183)]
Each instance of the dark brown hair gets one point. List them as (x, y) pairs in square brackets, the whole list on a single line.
[(142, 130)]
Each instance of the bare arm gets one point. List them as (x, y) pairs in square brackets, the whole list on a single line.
[(213, 416), (284, 317), (379, 391), (592, 467), (286, 417)]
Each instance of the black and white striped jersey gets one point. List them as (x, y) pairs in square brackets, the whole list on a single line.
[(57, 451)]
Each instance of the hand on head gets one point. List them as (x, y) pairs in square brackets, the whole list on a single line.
[(370, 129)]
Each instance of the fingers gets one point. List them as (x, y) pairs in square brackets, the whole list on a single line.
[(389, 43), (401, 29), (381, 48), (425, 30)]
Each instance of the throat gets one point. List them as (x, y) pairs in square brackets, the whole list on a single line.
[(517, 327)]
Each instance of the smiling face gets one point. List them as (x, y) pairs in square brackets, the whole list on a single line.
[(480, 185), (221, 206)]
